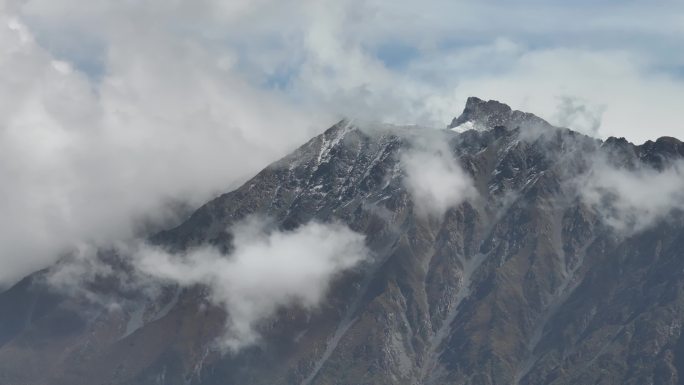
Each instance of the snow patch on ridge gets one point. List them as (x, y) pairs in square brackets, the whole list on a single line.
[(468, 126)]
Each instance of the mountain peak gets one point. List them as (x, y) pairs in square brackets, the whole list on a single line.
[(480, 111), (483, 115)]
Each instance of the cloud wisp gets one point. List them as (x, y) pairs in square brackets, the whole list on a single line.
[(631, 201), (434, 178)]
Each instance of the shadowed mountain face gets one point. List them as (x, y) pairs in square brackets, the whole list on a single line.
[(525, 283)]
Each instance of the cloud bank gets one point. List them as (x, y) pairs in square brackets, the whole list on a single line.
[(89, 163), (371, 59)]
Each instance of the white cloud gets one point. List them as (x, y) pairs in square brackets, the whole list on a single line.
[(632, 200), (266, 270), (434, 179)]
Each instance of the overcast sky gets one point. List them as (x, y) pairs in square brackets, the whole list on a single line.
[(111, 111)]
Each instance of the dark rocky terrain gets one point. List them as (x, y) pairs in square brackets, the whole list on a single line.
[(525, 284)]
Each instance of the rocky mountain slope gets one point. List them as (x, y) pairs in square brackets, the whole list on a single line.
[(525, 282)]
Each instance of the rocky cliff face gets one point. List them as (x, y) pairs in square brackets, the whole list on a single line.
[(524, 283)]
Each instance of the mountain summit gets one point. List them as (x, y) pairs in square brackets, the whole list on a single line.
[(488, 114), (507, 251)]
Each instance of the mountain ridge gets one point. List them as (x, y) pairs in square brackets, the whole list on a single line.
[(517, 285)]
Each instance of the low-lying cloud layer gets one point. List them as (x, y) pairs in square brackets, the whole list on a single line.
[(266, 270)]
